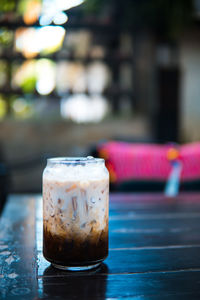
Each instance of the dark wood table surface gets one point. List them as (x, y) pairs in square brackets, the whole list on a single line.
[(154, 252)]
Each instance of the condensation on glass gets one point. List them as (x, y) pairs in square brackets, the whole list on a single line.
[(75, 212)]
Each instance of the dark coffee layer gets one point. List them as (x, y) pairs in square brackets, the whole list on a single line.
[(74, 252)]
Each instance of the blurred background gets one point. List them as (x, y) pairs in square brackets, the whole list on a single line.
[(74, 73)]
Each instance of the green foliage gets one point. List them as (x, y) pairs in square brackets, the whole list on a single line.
[(6, 37), (94, 6), (28, 85), (22, 5), (7, 5)]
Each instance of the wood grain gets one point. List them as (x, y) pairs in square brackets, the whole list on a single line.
[(18, 266), (154, 252)]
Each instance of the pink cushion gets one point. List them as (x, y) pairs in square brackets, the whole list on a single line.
[(149, 161)]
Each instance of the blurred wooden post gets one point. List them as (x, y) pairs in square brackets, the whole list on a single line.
[(167, 119)]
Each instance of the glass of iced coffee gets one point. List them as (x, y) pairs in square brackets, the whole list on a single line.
[(75, 212)]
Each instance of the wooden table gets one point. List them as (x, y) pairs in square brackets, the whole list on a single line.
[(154, 252)]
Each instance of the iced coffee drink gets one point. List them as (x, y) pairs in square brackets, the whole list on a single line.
[(75, 212)]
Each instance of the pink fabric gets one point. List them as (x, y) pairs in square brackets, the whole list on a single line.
[(149, 161)]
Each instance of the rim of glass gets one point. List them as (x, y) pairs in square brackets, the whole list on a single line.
[(75, 160)]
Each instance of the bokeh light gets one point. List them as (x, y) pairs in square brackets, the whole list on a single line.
[(32, 41), (52, 10), (24, 76), (46, 82), (60, 18), (31, 10), (83, 109), (98, 77), (22, 108), (71, 76)]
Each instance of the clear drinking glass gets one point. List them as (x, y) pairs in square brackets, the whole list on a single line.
[(75, 212)]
